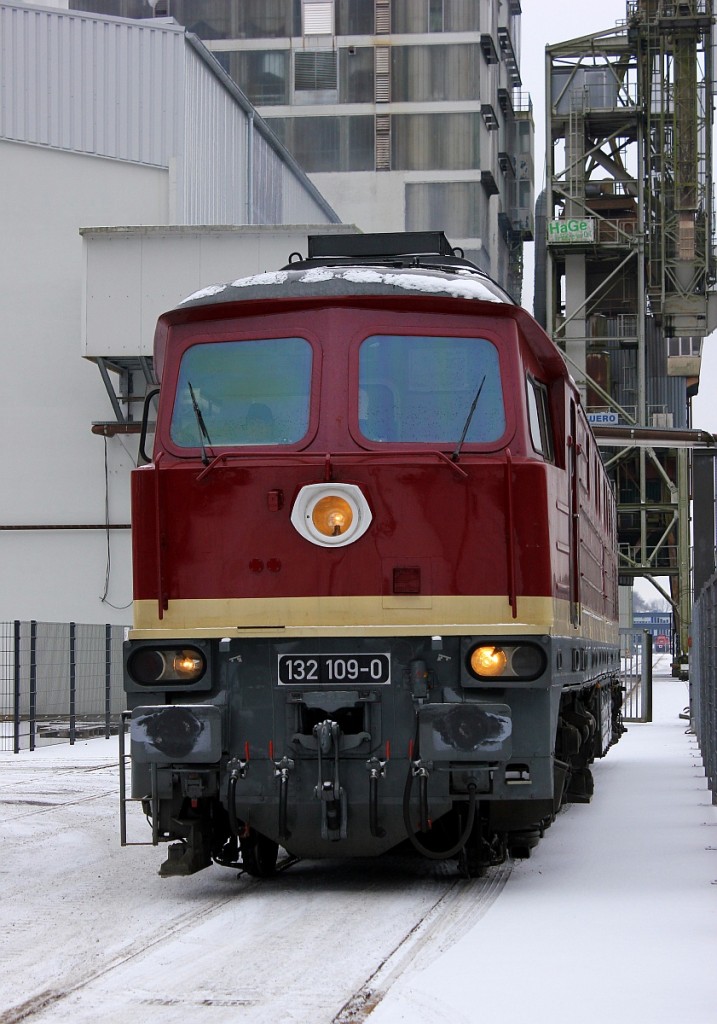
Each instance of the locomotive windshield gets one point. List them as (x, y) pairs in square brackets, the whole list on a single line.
[(421, 389), (243, 393)]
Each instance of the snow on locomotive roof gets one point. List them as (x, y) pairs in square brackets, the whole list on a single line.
[(460, 283)]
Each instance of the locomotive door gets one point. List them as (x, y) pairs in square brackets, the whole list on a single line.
[(574, 506)]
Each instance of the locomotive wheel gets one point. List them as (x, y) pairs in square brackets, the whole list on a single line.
[(470, 862), (482, 850), (258, 855)]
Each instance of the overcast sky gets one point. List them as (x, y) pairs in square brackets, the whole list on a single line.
[(553, 21)]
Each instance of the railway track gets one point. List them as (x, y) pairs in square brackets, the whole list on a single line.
[(128, 942), (151, 973), (452, 915)]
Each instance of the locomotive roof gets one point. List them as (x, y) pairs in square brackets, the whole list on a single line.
[(317, 277), (344, 266)]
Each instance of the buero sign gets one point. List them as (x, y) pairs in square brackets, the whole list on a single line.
[(610, 419)]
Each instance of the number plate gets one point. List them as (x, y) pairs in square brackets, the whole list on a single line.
[(330, 669)]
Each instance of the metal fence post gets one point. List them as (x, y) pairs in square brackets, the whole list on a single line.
[(647, 676), (33, 682), (16, 687), (704, 669), (108, 678), (73, 685), (708, 718)]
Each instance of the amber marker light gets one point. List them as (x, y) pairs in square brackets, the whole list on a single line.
[(489, 661), (331, 514)]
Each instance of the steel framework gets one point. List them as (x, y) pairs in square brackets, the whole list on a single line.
[(629, 259)]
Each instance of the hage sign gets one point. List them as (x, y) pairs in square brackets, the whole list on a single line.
[(572, 230)]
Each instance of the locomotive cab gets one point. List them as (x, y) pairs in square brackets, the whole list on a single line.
[(375, 593)]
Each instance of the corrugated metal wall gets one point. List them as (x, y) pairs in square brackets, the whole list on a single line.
[(267, 188), (91, 85), (146, 93), (215, 151)]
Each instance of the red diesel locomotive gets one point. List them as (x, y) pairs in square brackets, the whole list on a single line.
[(374, 568)]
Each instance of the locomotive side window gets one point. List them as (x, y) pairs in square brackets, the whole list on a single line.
[(243, 393), (541, 433), (421, 389)]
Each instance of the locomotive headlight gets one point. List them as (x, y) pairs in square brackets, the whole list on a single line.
[(488, 661), (524, 661), (331, 515), (188, 665), (166, 665)]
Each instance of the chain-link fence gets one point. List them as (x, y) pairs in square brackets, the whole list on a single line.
[(59, 681), (703, 679)]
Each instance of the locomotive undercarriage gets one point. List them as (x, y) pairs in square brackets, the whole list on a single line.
[(430, 756)]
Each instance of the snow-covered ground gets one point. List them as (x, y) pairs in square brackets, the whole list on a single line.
[(613, 919)]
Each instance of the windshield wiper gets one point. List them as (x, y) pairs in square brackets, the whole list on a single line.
[(203, 432), (457, 453)]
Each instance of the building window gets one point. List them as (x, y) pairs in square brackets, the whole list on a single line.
[(425, 73), (436, 16), (354, 18), (422, 142), (247, 19), (325, 144), (684, 346), (262, 74), (356, 74)]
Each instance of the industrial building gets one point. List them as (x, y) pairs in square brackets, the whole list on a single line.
[(406, 114), (131, 165)]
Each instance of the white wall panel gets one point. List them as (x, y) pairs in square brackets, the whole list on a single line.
[(132, 275)]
